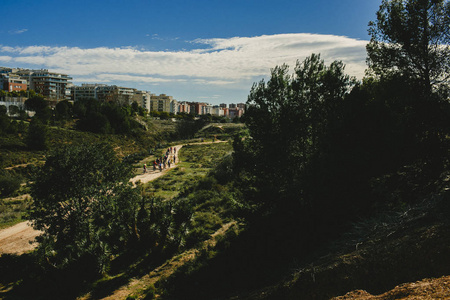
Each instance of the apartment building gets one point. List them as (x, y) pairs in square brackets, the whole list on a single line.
[(12, 82), (241, 106), (49, 84), (143, 98), (184, 107), (235, 112), (107, 93), (163, 102), (218, 111)]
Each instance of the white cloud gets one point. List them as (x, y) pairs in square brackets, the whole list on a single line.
[(5, 58), (223, 63), (17, 31)]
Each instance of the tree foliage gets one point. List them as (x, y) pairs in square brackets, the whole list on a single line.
[(100, 117), (83, 205), (319, 146), (287, 118), (89, 212), (37, 135), (412, 38)]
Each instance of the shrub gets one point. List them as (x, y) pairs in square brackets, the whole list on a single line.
[(37, 135), (9, 184)]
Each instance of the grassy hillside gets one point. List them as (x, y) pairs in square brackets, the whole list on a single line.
[(211, 209), (18, 163)]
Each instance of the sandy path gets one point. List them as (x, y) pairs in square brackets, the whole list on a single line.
[(151, 175), (18, 239)]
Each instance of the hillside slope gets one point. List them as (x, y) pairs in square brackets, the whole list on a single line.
[(378, 257)]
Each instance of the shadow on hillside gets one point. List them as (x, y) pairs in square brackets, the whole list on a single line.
[(259, 256), (263, 263), (22, 278)]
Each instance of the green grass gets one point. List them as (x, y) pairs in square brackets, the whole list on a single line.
[(13, 211), (196, 161)]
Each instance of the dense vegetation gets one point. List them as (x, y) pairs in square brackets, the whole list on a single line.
[(94, 223), (319, 153), (323, 151)]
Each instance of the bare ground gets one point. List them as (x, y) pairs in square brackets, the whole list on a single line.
[(18, 239), (437, 288)]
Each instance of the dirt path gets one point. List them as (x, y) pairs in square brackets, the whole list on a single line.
[(152, 175), (18, 239)]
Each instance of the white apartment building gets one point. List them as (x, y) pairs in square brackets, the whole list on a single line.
[(49, 84), (144, 99), (163, 103)]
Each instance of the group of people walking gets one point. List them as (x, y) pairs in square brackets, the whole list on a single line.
[(164, 161)]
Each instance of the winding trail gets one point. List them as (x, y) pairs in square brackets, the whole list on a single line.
[(20, 238), (152, 175)]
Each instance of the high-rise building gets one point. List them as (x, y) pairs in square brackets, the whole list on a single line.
[(163, 103), (49, 84), (184, 107), (106, 93), (144, 99)]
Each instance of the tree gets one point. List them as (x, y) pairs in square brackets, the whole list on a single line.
[(14, 110), (8, 184), (37, 135), (411, 37), (36, 103), (64, 110), (288, 119), (410, 45), (84, 205)]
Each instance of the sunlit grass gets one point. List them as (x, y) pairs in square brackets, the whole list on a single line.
[(196, 161)]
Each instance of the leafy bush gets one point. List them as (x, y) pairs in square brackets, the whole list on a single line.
[(9, 184), (83, 207), (37, 135)]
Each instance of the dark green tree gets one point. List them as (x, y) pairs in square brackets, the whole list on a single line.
[(84, 206), (288, 118), (410, 49), (4, 120), (63, 110), (411, 38), (14, 110), (36, 103), (37, 135)]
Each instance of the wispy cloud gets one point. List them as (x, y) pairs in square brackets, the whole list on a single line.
[(5, 58), (156, 36), (17, 31), (222, 63)]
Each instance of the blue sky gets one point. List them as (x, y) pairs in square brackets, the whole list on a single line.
[(210, 51)]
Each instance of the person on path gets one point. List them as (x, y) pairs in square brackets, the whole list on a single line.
[(145, 168)]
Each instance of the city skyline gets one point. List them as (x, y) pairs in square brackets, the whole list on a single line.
[(207, 51)]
